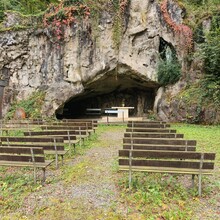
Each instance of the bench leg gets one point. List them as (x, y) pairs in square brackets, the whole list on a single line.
[(56, 161), (74, 146), (193, 182), (62, 159), (130, 179), (44, 175), (200, 184), (35, 178)]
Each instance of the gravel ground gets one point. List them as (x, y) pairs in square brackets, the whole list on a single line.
[(96, 187)]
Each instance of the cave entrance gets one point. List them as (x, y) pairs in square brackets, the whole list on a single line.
[(109, 91)]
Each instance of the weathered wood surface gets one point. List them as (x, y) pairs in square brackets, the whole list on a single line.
[(153, 135), (159, 147), (162, 141), (164, 130)]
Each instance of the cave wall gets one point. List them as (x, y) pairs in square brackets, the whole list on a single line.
[(31, 61)]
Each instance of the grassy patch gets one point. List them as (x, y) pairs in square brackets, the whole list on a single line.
[(15, 184), (163, 196)]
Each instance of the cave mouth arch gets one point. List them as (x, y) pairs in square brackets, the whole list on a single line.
[(112, 90)]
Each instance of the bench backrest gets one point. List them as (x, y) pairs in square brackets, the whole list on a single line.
[(77, 123), (153, 135), (145, 122), (165, 130), (169, 159), (67, 135), (31, 139), (94, 122), (147, 125), (21, 154), (74, 131), (160, 147), (162, 141), (47, 143)]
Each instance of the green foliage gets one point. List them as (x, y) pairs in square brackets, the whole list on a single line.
[(26, 7), (14, 186), (169, 72), (32, 105), (210, 53), (162, 194)]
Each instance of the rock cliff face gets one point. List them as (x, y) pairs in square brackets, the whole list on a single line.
[(88, 69)]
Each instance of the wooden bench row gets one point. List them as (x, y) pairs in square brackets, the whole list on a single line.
[(154, 147), (24, 157), (30, 150)]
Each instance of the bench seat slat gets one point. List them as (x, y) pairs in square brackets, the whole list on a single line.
[(11, 157), (29, 139), (27, 145), (164, 141), (26, 164), (159, 147), (166, 163), (166, 170), (150, 130), (166, 154), (153, 135), (20, 150)]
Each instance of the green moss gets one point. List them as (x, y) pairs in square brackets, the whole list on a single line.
[(32, 105)]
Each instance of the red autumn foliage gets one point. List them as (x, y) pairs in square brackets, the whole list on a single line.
[(183, 31), (60, 16)]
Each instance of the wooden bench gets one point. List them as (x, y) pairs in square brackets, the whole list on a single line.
[(87, 125), (69, 136), (147, 125), (193, 163), (80, 132), (147, 122), (24, 157), (152, 135), (93, 111), (51, 145), (164, 130), (93, 122), (167, 144), (111, 112)]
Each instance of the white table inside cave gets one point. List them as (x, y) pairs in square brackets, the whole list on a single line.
[(123, 111)]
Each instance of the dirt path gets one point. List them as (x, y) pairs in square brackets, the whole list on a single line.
[(86, 189)]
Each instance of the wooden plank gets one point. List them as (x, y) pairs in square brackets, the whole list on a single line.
[(153, 135), (30, 139), (150, 122), (20, 150), (26, 164), (159, 147), (74, 131), (164, 141), (167, 154), (148, 125), (150, 130), (166, 170), (65, 127), (45, 147), (21, 158), (52, 132), (165, 163)]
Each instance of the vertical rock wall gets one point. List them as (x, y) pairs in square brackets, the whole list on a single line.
[(33, 61)]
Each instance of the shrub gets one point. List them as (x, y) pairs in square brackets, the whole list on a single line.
[(210, 53), (169, 72), (32, 106)]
